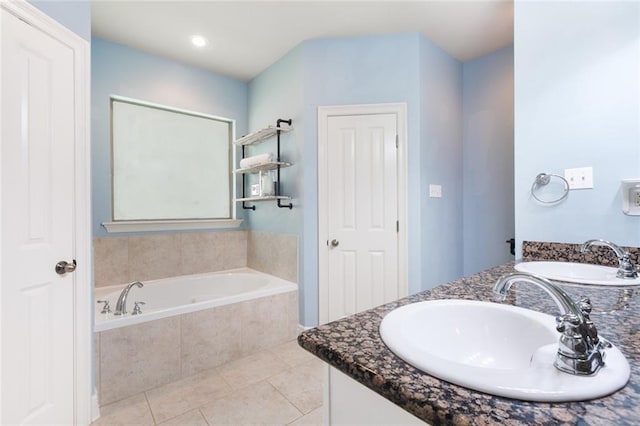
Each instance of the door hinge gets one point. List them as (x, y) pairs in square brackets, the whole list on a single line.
[(397, 141), (397, 226)]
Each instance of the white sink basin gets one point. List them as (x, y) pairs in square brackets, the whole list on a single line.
[(582, 273), (497, 349)]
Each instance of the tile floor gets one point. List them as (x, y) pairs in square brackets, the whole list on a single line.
[(281, 385)]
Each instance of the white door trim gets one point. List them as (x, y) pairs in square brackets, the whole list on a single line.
[(83, 319), (324, 113)]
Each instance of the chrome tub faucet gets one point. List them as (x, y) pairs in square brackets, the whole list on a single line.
[(580, 350), (121, 305), (626, 268)]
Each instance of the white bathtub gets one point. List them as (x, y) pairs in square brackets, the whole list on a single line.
[(188, 293)]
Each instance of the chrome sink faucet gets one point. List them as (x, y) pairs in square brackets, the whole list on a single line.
[(580, 350), (121, 305), (626, 269)]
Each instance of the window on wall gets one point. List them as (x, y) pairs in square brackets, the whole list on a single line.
[(169, 164)]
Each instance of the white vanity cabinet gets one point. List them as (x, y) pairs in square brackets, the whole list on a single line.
[(347, 402)]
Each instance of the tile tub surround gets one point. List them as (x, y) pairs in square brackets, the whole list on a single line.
[(564, 252), (273, 254), (140, 357), (119, 260), (353, 345)]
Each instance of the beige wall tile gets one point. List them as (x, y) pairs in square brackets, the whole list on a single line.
[(292, 314), (178, 397), (138, 357), (154, 256), (201, 252), (260, 404), (119, 260), (110, 261), (130, 411), (210, 338), (265, 323), (302, 386), (235, 249), (275, 254)]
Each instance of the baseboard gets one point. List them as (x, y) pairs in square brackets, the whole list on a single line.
[(302, 328), (95, 406)]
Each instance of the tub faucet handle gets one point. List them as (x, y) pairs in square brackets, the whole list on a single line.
[(136, 308), (106, 309)]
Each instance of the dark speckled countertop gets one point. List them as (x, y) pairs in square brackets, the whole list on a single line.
[(353, 345)]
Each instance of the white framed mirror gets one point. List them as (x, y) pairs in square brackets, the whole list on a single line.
[(171, 168)]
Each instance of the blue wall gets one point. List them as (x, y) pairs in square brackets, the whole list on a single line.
[(577, 104), (358, 70), (441, 164), (75, 15), (363, 70), (487, 201), (278, 93), (119, 70)]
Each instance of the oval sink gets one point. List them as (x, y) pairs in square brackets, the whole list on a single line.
[(497, 349), (582, 273)]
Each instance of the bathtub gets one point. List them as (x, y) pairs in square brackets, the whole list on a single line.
[(189, 324), (188, 293)]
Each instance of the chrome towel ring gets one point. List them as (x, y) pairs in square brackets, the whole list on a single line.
[(543, 179)]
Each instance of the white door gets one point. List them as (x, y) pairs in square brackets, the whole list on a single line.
[(37, 160), (362, 208)]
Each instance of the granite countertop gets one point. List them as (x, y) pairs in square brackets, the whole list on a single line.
[(353, 346)]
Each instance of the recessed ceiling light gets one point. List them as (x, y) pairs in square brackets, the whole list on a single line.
[(198, 41)]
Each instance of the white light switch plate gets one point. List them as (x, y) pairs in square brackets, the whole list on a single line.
[(580, 178), (435, 191)]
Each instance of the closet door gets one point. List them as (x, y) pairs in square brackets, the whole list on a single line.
[(362, 208)]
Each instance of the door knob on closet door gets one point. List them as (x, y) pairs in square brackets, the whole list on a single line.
[(63, 267), (334, 243)]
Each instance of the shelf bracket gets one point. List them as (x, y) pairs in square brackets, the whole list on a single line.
[(290, 205), (244, 204), (285, 206)]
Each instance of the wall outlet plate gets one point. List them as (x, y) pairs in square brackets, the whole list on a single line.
[(631, 197), (255, 190), (579, 178)]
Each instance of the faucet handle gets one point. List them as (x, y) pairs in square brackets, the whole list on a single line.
[(562, 321), (136, 308), (106, 309), (626, 268), (585, 306)]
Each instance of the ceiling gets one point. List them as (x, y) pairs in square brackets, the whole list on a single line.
[(246, 37)]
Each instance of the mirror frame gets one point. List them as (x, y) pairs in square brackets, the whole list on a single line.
[(145, 225)]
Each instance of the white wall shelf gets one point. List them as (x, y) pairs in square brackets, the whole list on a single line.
[(262, 167), (264, 198), (254, 138), (260, 135)]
